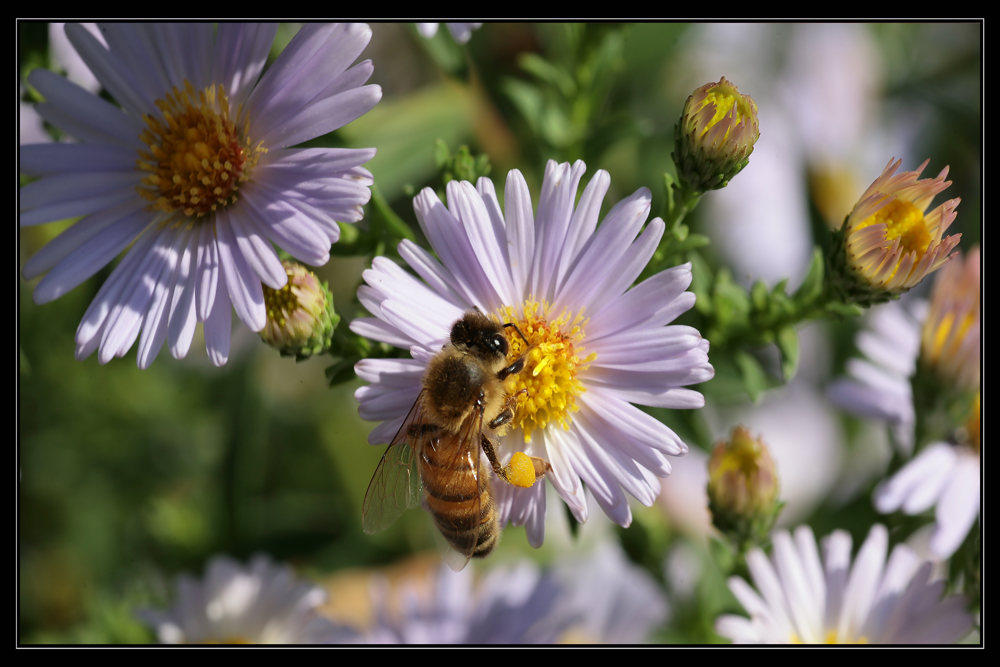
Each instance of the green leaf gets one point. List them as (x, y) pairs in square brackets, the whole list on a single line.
[(547, 72), (758, 295), (844, 309), (788, 345), (341, 371), (812, 286), (754, 378)]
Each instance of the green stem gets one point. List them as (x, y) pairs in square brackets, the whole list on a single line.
[(398, 228)]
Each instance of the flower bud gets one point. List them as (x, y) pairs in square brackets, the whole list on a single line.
[(887, 244), (300, 315), (715, 136), (743, 488)]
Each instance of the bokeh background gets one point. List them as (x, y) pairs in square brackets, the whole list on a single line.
[(127, 477)]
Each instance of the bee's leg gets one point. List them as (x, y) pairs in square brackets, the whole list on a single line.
[(492, 456), (506, 415), (522, 478)]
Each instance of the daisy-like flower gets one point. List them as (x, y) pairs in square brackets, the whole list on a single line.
[(462, 32), (879, 385), (596, 345), (890, 243), (262, 603), (193, 174), (624, 608), (800, 599), (511, 605)]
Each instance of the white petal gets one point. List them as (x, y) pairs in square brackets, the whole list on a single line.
[(555, 210), (520, 229), (183, 316), (866, 574), (958, 507), (155, 320), (918, 484), (468, 206), (243, 284), (206, 274), (218, 325), (584, 222)]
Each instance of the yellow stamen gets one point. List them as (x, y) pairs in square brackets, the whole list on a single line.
[(197, 157), (904, 221), (551, 365)]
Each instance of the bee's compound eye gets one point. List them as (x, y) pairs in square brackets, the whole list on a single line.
[(498, 342)]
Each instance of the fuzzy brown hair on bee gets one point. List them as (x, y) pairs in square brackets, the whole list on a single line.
[(435, 459)]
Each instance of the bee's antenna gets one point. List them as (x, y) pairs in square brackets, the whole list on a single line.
[(518, 330)]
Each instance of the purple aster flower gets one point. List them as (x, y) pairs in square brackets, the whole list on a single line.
[(193, 175), (598, 345), (262, 603), (511, 605)]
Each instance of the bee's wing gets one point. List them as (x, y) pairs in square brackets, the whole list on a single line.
[(395, 486), (464, 460)]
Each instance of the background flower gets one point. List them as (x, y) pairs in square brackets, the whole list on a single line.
[(262, 603), (801, 600), (214, 185)]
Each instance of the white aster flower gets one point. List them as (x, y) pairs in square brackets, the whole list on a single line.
[(262, 603), (800, 599), (462, 32), (511, 605), (598, 346), (946, 477), (193, 175), (879, 385)]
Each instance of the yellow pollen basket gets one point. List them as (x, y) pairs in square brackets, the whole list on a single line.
[(550, 368), (197, 157), (520, 471), (904, 221)]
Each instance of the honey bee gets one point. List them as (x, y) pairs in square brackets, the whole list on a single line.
[(434, 458)]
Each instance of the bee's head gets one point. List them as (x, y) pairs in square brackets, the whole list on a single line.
[(480, 335)]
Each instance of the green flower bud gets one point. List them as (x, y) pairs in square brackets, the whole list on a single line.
[(715, 136), (300, 315), (743, 488)]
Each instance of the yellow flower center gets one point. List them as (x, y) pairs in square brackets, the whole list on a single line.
[(551, 365), (904, 221), (196, 158), (831, 638)]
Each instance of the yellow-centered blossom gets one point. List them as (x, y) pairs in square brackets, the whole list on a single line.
[(890, 241)]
